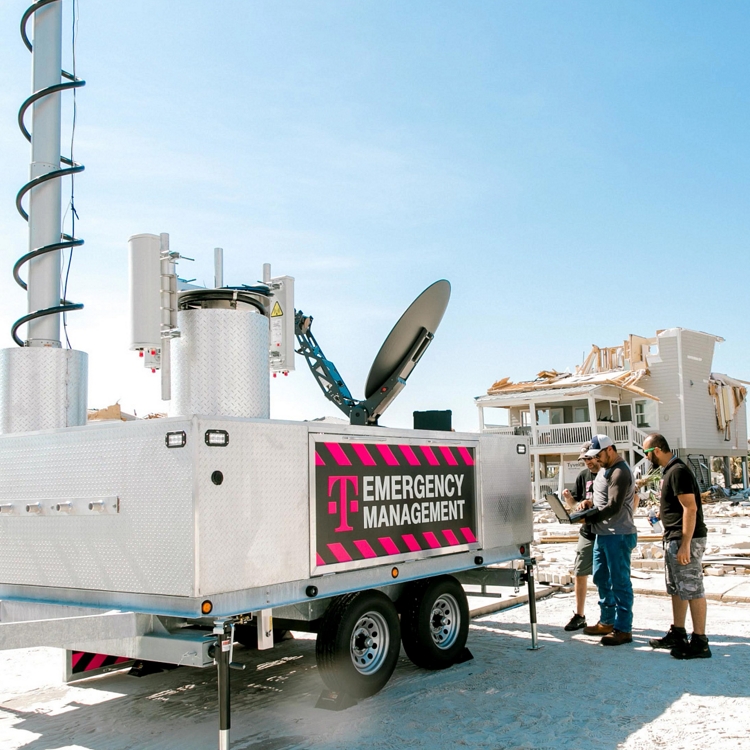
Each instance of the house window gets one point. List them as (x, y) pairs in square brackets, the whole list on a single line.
[(581, 414), (550, 416), (525, 418), (626, 413), (645, 414)]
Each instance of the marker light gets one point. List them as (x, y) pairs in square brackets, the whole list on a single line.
[(175, 439), (217, 437), (394, 572), (206, 607)]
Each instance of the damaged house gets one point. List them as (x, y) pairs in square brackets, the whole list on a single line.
[(660, 384)]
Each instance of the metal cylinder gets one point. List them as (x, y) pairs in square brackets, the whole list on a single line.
[(44, 200), (220, 364), (42, 388)]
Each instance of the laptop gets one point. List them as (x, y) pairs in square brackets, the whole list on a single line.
[(562, 512)]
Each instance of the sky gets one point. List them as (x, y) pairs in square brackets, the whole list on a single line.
[(576, 170)]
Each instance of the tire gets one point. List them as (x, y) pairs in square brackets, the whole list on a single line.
[(434, 622), (358, 643)]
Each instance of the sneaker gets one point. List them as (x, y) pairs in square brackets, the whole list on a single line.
[(675, 638), (598, 629), (696, 648), (617, 638), (576, 622)]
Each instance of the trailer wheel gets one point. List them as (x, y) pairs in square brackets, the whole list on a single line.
[(434, 622), (358, 643)]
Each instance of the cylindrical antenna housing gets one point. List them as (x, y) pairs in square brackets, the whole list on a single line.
[(144, 260)]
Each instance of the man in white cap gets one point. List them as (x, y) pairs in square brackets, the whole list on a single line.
[(583, 565), (616, 538)]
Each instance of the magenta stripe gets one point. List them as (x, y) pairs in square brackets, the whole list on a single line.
[(364, 547), (411, 542), (96, 662), (387, 454), (429, 455), (450, 537), (388, 545), (431, 539), (468, 535), (409, 455), (339, 552), (468, 460), (319, 560), (76, 657), (318, 460), (338, 454), (363, 454), (448, 455), (121, 659)]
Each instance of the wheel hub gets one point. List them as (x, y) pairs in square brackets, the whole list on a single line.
[(369, 643), (445, 621)]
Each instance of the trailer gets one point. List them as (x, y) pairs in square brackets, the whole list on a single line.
[(169, 540)]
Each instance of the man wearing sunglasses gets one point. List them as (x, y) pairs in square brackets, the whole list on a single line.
[(616, 537), (684, 543), (584, 490)]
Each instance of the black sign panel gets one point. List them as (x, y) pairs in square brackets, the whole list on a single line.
[(375, 500)]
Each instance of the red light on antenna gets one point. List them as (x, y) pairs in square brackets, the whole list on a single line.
[(153, 352), (274, 374), (285, 373), (140, 353), (153, 370)]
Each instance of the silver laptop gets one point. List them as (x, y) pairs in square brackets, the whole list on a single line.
[(562, 512)]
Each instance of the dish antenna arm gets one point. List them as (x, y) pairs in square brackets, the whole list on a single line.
[(324, 371)]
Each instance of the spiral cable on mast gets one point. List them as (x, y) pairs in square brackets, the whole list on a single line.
[(67, 242)]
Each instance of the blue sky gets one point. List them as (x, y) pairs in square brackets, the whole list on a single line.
[(577, 170)]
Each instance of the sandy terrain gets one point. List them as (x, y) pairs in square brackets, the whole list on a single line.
[(573, 693)]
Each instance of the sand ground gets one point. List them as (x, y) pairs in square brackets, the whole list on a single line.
[(573, 693)]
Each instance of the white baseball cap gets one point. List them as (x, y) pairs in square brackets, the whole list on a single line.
[(598, 444)]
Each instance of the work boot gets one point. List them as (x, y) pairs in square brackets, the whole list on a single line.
[(696, 648), (576, 622), (616, 638), (675, 638), (599, 629)]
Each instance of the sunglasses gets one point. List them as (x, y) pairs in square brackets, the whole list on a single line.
[(649, 450)]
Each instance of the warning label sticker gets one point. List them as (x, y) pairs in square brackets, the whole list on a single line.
[(277, 312)]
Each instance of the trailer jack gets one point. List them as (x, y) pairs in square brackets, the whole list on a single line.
[(528, 576), (224, 630)]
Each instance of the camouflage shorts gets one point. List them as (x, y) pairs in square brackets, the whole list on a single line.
[(685, 581)]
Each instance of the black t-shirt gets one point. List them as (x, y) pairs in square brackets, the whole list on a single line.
[(584, 490), (679, 480)]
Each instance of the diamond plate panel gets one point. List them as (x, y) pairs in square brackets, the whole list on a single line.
[(253, 528), (145, 548), (220, 364), (506, 491), (42, 388)]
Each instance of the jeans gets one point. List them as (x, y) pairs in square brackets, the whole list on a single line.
[(612, 578)]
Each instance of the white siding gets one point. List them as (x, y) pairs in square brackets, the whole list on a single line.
[(663, 382)]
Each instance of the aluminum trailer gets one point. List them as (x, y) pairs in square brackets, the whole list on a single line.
[(156, 539)]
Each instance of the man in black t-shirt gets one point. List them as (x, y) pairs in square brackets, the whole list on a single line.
[(582, 567), (684, 543)]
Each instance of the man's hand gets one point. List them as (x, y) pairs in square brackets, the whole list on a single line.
[(585, 505), (568, 498), (683, 554)]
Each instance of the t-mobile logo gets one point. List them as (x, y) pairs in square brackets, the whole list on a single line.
[(344, 504)]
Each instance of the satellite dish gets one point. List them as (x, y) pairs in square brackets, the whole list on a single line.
[(425, 312), (398, 356)]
